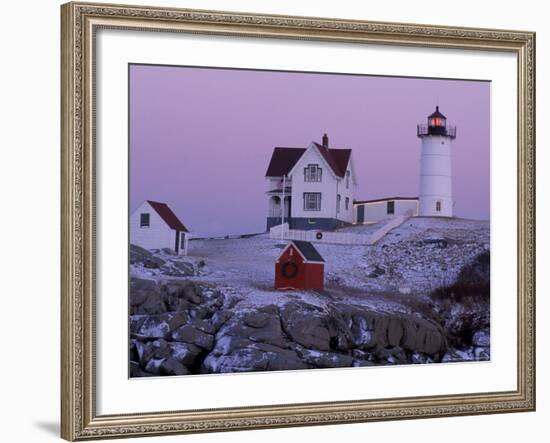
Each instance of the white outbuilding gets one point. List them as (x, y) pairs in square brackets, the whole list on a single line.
[(372, 211), (153, 225)]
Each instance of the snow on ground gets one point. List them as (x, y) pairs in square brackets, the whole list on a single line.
[(420, 255), (410, 261)]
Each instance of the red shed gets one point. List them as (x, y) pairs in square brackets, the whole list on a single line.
[(299, 266)]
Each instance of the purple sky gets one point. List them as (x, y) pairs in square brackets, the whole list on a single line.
[(201, 139)]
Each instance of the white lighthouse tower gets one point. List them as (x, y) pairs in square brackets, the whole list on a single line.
[(436, 192)]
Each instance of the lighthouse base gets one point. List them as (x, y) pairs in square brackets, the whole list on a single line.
[(435, 207)]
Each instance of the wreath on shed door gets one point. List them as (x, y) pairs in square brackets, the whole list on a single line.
[(289, 269)]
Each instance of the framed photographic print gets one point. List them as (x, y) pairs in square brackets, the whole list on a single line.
[(281, 221)]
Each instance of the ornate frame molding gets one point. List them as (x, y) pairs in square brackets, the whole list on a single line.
[(79, 22)]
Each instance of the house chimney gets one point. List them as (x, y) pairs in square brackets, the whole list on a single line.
[(325, 140)]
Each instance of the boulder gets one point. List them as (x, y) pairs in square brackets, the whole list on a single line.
[(256, 319), (185, 268), (155, 326), (433, 343), (186, 353), (166, 366), (321, 359), (153, 262), (136, 371), (362, 331), (139, 254), (183, 289), (202, 325), (305, 326), (171, 366), (395, 331), (391, 355), (220, 318), (190, 334), (253, 357), (458, 355), (145, 297), (177, 268), (136, 322), (159, 325), (145, 257), (362, 363), (482, 354), (482, 339), (146, 351)]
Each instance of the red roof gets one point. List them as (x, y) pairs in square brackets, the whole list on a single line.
[(168, 216), (284, 159), (307, 250), (338, 159)]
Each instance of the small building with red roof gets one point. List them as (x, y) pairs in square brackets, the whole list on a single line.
[(153, 225), (311, 188), (299, 266)]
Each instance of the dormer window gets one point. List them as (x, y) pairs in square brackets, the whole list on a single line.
[(313, 173)]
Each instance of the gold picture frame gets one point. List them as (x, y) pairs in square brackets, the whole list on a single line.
[(80, 21)]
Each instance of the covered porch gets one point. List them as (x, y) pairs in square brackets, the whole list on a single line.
[(279, 202)]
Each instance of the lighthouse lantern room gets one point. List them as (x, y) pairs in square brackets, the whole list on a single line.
[(436, 196)]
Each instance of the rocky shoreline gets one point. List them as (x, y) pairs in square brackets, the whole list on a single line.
[(182, 327)]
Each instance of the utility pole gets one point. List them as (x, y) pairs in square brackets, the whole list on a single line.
[(283, 210)]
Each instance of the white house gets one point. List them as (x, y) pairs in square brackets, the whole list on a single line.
[(153, 225), (313, 186), (372, 211)]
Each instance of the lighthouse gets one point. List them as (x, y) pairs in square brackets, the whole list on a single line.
[(436, 191)]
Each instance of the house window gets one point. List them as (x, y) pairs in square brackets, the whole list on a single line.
[(312, 201), (313, 173), (347, 179), (144, 220), (390, 207), (347, 203), (338, 198), (438, 206)]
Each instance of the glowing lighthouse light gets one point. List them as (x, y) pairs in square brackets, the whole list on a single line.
[(436, 192)]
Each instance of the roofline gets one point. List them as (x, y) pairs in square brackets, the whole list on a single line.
[(319, 146), (291, 243), (359, 202), (160, 215), (311, 146)]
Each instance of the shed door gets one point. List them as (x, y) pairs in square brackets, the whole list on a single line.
[(361, 214)]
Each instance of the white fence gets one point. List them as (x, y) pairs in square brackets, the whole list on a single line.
[(341, 238)]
